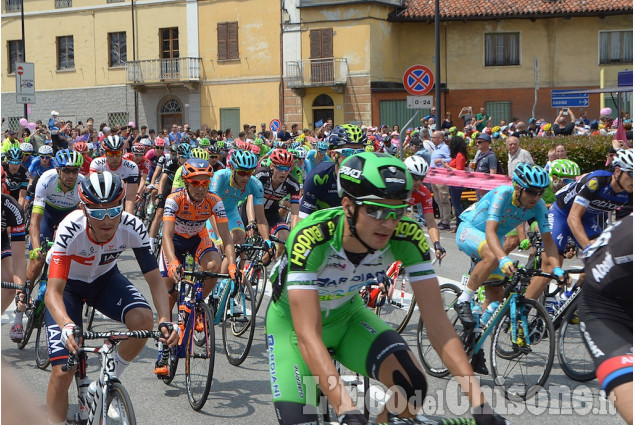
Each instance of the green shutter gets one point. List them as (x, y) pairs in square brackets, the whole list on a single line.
[(499, 111), (393, 112), (230, 118)]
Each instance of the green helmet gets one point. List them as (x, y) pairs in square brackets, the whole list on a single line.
[(220, 144), (564, 168), (258, 141), (266, 162), (204, 142), (355, 134), (200, 153), (369, 176)]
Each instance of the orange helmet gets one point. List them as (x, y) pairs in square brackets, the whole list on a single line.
[(281, 157), (80, 147), (195, 167)]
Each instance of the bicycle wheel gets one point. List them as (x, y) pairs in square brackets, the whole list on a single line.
[(41, 345), (28, 328), (523, 375), (429, 358), (158, 242), (397, 310), (238, 329), (118, 406), (258, 281), (575, 360), (199, 360)]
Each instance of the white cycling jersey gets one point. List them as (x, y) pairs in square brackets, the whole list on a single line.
[(75, 256), (49, 193), (128, 171)]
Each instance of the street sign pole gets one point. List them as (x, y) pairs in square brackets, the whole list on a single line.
[(26, 108), (403, 131), (536, 86)]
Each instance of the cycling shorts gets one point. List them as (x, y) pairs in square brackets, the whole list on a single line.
[(356, 337), (167, 189), (51, 218), (532, 228), (275, 222), (199, 246), (111, 294), (561, 232), (234, 221), (6, 246), (470, 240)]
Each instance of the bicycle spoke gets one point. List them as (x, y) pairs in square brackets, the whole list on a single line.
[(199, 363)]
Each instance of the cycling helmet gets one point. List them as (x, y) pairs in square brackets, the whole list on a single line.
[(241, 144), (375, 176), (113, 143), (184, 150), (337, 138), (255, 149), (355, 134), (159, 142), (244, 160), (68, 158), (45, 150), (528, 175), (194, 167), (301, 153), (279, 144), (101, 188), (26, 148), (281, 157), (266, 162), (564, 168), (624, 160), (258, 141), (295, 145), (147, 143), (369, 148), (138, 148), (14, 154), (200, 153), (80, 147), (204, 142), (322, 146), (214, 149), (417, 166), (221, 144)]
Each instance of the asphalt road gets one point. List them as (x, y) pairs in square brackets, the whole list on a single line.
[(242, 394)]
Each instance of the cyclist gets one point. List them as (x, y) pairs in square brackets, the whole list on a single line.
[(421, 198), (298, 171), (580, 204), (316, 156), (606, 312), (125, 169), (198, 153), (17, 179), (483, 226), (42, 163), (214, 157), (186, 212), (27, 155), (138, 157), (316, 311), (155, 156), (83, 266), (13, 266), (82, 149)]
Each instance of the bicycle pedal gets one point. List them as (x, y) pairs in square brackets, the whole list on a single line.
[(161, 371)]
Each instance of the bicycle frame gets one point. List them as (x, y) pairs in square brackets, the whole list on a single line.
[(509, 304), (195, 292)]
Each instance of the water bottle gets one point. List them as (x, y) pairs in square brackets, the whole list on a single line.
[(42, 291), (552, 304), (487, 314), (477, 310), (84, 401)]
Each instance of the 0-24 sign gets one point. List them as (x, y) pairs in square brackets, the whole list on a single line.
[(418, 102)]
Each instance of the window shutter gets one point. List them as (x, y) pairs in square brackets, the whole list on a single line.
[(316, 44), (232, 40), (327, 42), (222, 41)]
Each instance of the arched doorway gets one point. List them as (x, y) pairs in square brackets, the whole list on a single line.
[(171, 113), (322, 108)]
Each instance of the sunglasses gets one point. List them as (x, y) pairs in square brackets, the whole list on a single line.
[(213, 157), (382, 211), (349, 151), (199, 183), (15, 162), (534, 192), (26, 154), (184, 156), (159, 147), (322, 150), (101, 213), (244, 173), (282, 168), (42, 157), (114, 153), (70, 170)]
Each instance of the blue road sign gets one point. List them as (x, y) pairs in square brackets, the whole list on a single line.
[(565, 99), (274, 125)]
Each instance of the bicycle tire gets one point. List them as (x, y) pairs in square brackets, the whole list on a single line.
[(397, 312), (525, 382), (427, 355), (41, 345), (117, 391), (574, 358), (258, 275), (207, 352), (235, 344), (158, 242)]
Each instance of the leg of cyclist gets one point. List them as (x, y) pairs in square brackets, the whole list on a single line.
[(208, 256), (7, 276)]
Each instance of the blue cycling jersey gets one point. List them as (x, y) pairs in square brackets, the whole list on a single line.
[(320, 189), (593, 191), (231, 195), (309, 161), (37, 169), (497, 205)]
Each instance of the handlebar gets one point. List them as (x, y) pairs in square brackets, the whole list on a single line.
[(11, 285), (206, 275)]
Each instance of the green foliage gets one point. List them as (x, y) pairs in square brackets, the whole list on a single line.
[(588, 152)]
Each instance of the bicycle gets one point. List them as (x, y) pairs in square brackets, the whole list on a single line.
[(96, 398), (520, 327), (255, 269)]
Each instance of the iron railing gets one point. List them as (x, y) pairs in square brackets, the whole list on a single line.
[(317, 72), (163, 70)]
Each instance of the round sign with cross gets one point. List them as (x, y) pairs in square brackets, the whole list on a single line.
[(418, 80), (274, 125), (20, 70)]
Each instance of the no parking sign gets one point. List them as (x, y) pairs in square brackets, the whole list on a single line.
[(418, 80), (274, 125)]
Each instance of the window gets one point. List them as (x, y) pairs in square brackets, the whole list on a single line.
[(227, 40), (59, 4), (13, 123), (502, 49), (65, 53), (12, 5), (117, 118), (616, 47), (499, 111), (15, 54), (169, 43), (117, 47)]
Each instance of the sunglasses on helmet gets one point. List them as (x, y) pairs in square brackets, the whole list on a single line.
[(101, 213), (382, 211)]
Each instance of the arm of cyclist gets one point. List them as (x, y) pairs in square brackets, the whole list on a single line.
[(159, 296), (307, 322), (435, 236), (493, 242), (574, 220), (263, 226), (551, 250), (295, 214), (54, 300), (34, 232), (131, 193), (22, 198), (168, 248), (157, 173)]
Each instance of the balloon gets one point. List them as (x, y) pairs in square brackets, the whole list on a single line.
[(23, 122), (31, 126), (606, 112), (131, 124), (28, 109)]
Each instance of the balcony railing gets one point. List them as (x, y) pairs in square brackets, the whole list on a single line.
[(163, 71), (317, 72), (12, 5)]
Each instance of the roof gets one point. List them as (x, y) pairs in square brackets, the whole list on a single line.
[(423, 10)]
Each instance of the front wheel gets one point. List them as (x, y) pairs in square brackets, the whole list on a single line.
[(41, 345), (28, 328), (239, 324), (258, 282), (397, 309), (575, 359), (199, 360), (118, 406)]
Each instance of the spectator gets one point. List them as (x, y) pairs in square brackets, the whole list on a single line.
[(516, 154), (485, 160), (551, 156), (628, 128), (39, 137), (52, 120), (395, 128), (560, 126), (441, 192), (174, 136), (466, 116), (561, 152), (458, 153), (447, 122), (533, 127), (481, 119), (584, 118), (432, 115), (294, 130), (522, 131)]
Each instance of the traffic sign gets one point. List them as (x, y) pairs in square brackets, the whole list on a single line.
[(25, 82), (418, 80), (419, 102), (564, 98), (25, 98), (274, 125)]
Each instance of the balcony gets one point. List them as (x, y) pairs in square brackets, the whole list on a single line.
[(12, 5), (161, 72), (317, 73)]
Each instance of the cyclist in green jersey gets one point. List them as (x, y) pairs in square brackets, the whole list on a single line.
[(179, 183), (316, 311)]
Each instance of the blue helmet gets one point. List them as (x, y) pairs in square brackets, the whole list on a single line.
[(337, 138), (322, 146), (68, 158), (528, 175), (184, 150), (14, 154), (244, 160)]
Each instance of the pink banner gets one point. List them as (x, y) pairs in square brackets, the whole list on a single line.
[(470, 180)]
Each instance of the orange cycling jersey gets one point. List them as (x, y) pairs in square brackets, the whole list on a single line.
[(190, 217)]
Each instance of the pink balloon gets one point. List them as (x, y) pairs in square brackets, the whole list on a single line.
[(28, 109), (31, 126), (606, 112), (131, 124), (23, 122)]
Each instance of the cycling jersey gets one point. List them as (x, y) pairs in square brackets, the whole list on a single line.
[(170, 166), (298, 174), (232, 195), (75, 256), (127, 171), (37, 169), (218, 166), (273, 196), (16, 182), (593, 191), (190, 217), (48, 193), (178, 183), (421, 196), (13, 221), (85, 168), (320, 189), (309, 161), (144, 164)]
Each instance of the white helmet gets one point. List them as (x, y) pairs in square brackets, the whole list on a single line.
[(624, 160), (417, 166), (26, 148), (45, 150)]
